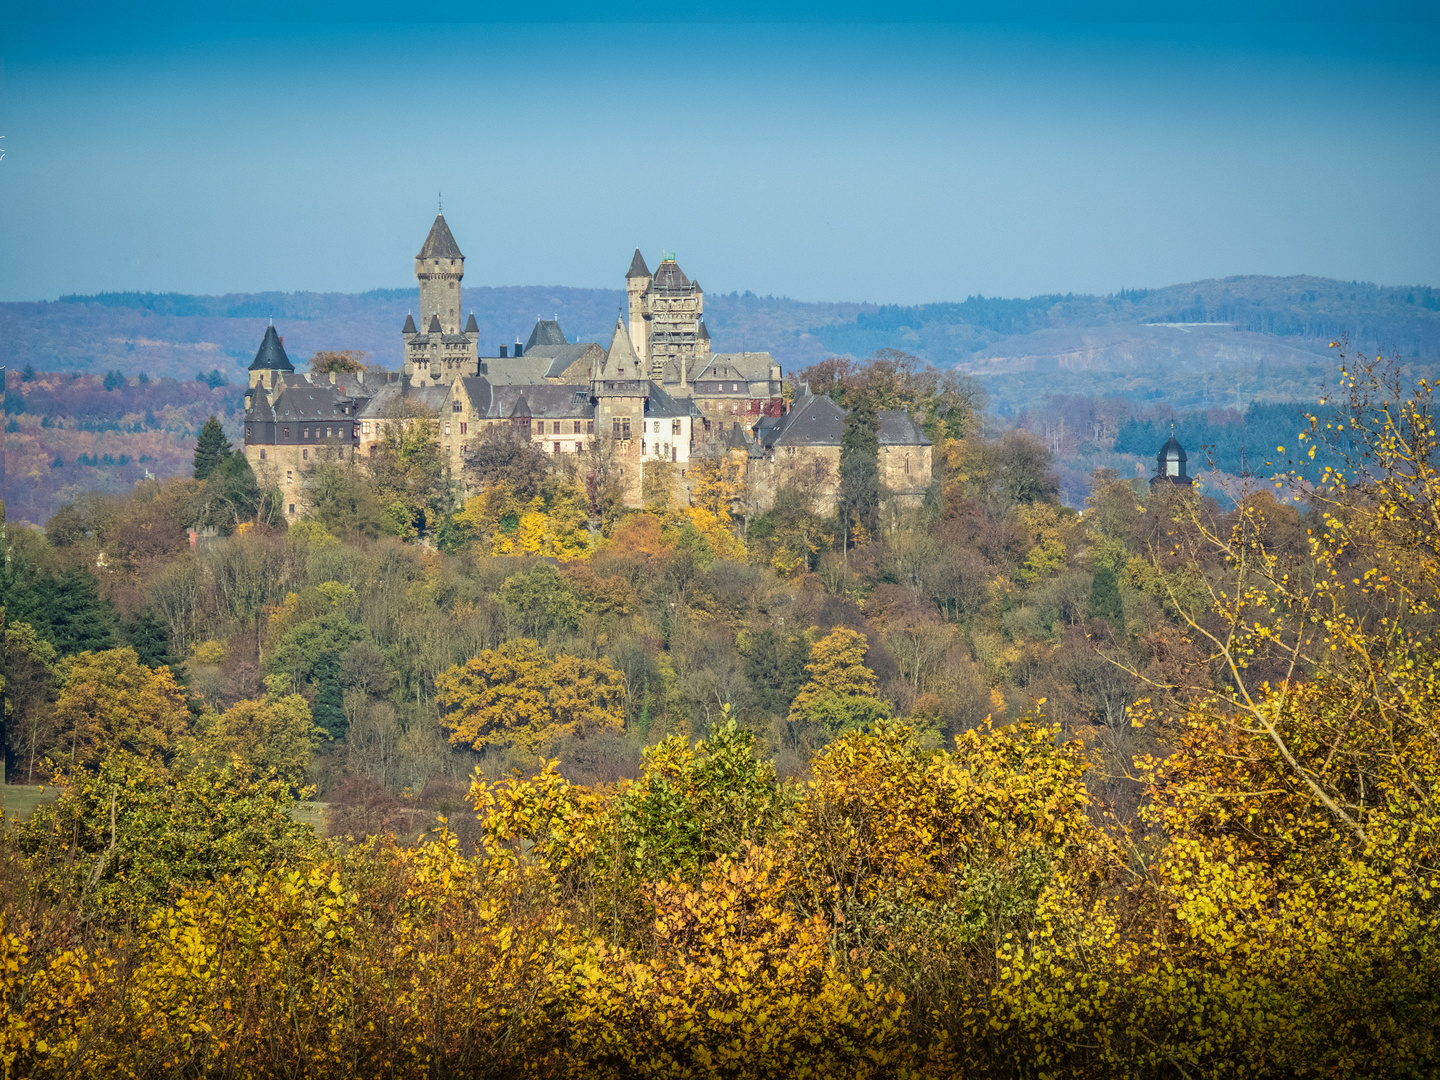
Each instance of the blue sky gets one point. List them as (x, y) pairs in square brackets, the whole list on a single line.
[(905, 155)]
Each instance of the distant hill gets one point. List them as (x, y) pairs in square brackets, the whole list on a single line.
[(1224, 341)]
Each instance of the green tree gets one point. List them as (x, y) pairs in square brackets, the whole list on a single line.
[(1105, 595), (542, 601), (211, 450), (27, 374), (859, 495), (121, 838)]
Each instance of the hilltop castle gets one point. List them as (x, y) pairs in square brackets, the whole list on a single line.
[(656, 394)]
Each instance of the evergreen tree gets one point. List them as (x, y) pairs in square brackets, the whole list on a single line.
[(114, 380), (150, 422), (28, 375), (859, 496), (1105, 596), (150, 639), (66, 609), (329, 710), (212, 449)]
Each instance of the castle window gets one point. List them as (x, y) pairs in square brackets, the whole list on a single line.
[(540, 427), (557, 448), (674, 453), (305, 454), (464, 427), (674, 427), (307, 433), (287, 432), (447, 429), (365, 427), (289, 476), (615, 428), (625, 427), (579, 447), (327, 432), (455, 406), (577, 427), (907, 464), (262, 455), (589, 427), (247, 433), (292, 508)]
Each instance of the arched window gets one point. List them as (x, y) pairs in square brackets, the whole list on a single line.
[(907, 464)]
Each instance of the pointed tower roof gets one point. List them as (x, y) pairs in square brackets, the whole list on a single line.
[(669, 276), (434, 327), (409, 327), (621, 361), (704, 333), (271, 356), (440, 244), (637, 267), (546, 332), (259, 410), (470, 325)]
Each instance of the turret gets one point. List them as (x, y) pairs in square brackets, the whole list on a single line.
[(1170, 465), (269, 363), (637, 283)]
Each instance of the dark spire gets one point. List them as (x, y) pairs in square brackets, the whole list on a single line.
[(434, 327), (271, 356), (440, 244), (637, 267), (409, 324), (470, 325)]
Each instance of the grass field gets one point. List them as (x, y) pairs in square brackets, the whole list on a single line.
[(20, 801)]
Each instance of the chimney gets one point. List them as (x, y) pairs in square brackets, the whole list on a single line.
[(519, 349), (504, 350)]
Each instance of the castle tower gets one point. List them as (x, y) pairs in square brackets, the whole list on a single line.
[(438, 350), (637, 281), (439, 268), (269, 364), (672, 305)]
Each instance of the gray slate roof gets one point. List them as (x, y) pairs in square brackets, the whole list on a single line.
[(516, 370), (637, 267), (546, 332), (661, 406), (305, 402), (621, 361), (670, 278), (470, 325), (386, 402), (547, 400), (271, 356), (440, 244), (409, 327), (259, 411), (898, 428), (813, 421), (434, 327), (560, 356)]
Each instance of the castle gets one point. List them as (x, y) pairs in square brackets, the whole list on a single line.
[(655, 395)]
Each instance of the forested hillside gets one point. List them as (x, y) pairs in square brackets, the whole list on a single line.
[(1262, 338), (70, 433), (988, 787)]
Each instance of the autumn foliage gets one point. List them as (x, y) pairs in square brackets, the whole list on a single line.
[(980, 903)]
